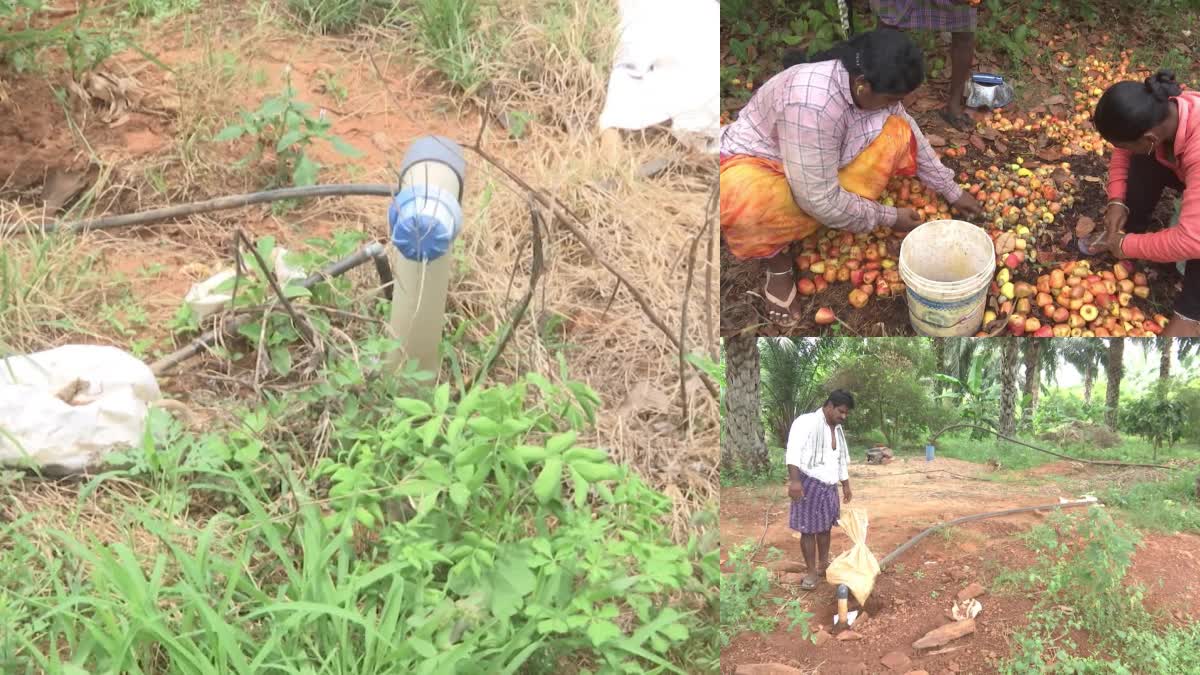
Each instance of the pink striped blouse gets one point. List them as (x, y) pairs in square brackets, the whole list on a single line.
[(805, 118)]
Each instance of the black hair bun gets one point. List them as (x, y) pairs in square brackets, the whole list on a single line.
[(1162, 85)]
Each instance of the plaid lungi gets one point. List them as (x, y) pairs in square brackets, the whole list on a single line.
[(938, 15), (819, 509)]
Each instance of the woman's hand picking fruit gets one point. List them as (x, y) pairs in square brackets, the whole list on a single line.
[(906, 219), (968, 205)]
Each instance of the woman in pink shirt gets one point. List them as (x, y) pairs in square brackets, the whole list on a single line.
[(1155, 129), (816, 146)]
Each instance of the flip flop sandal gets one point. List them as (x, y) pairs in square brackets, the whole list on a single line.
[(773, 302), (807, 585)]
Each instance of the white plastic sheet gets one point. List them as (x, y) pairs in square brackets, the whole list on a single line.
[(666, 69), (106, 412)]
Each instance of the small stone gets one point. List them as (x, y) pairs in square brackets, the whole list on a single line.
[(381, 141), (973, 591), (821, 638), (896, 660), (940, 636), (767, 669), (849, 635)]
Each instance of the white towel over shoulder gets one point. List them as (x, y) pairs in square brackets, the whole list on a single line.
[(810, 449)]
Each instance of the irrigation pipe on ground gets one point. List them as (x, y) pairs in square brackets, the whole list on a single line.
[(1048, 452), (221, 204), (982, 516)]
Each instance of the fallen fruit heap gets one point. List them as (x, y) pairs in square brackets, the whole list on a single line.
[(867, 262), (1068, 125), (1075, 301)]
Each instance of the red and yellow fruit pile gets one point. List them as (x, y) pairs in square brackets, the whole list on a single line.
[(1072, 132), (1014, 196), (867, 262), (1073, 300), (905, 192)]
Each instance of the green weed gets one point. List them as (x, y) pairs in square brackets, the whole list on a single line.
[(284, 127), (448, 31), (1079, 580), (159, 9), (1167, 505), (745, 598), (440, 532)]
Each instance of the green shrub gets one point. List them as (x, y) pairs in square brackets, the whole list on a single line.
[(431, 536)]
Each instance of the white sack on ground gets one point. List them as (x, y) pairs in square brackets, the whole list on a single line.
[(106, 412), (667, 69)]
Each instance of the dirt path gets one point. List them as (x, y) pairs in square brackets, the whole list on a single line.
[(913, 595)]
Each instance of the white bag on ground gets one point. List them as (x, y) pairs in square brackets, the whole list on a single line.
[(666, 69), (109, 393)]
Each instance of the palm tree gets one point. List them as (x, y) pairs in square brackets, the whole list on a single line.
[(1165, 346), (1041, 365), (742, 430), (1009, 366), (1112, 389), (939, 356), (793, 371), (1086, 355)]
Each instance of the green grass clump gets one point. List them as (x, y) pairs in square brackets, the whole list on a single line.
[(1079, 580), (419, 530), (1167, 506)]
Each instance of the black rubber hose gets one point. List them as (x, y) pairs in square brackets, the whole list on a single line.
[(1048, 452), (223, 203), (966, 519)]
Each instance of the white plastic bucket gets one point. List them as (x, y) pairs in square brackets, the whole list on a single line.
[(947, 266)]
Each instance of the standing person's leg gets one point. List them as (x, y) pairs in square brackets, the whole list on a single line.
[(962, 54), (823, 551), (808, 548)]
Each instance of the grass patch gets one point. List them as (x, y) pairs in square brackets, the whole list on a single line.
[(1167, 506), (49, 287), (1016, 457), (426, 535), (745, 597), (1078, 578)]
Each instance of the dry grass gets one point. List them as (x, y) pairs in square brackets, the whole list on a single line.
[(547, 60)]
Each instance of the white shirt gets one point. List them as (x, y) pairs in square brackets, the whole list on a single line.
[(810, 449)]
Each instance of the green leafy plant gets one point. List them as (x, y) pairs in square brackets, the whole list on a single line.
[(275, 334), (441, 532), (1079, 582), (1157, 419), (283, 127), (745, 595)]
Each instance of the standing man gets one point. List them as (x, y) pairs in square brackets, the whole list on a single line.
[(818, 460), (956, 16)]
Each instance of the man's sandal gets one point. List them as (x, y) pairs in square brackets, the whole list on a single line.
[(807, 585), (772, 301)]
